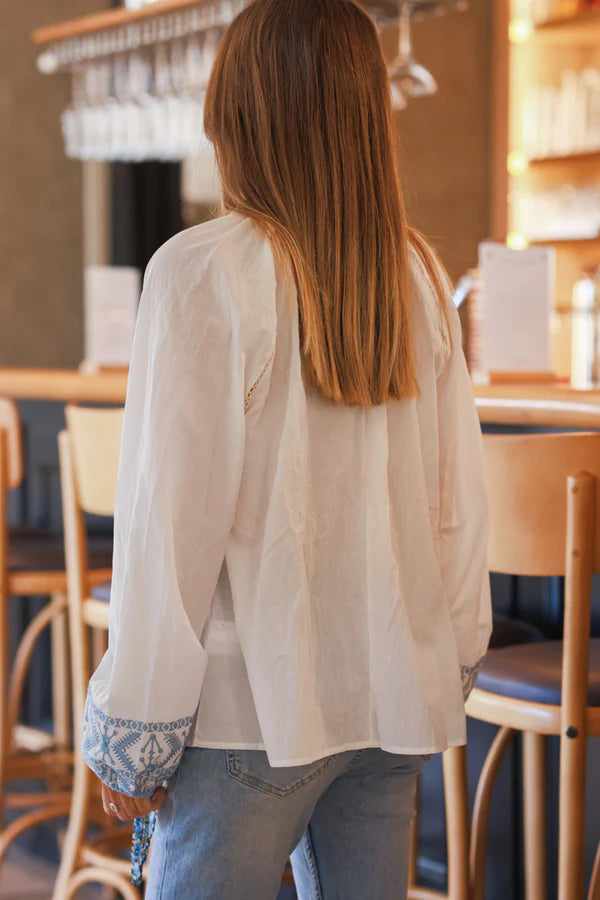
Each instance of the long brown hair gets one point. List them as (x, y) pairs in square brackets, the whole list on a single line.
[(298, 109)]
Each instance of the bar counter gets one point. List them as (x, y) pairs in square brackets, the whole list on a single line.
[(540, 405), (64, 385)]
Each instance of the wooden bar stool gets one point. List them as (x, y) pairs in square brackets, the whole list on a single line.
[(89, 455), (544, 504), (506, 632), (456, 804), (88, 452), (31, 564)]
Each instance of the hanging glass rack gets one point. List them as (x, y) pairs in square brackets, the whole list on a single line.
[(139, 76)]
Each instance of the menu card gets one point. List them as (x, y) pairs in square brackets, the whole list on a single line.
[(112, 295), (518, 299)]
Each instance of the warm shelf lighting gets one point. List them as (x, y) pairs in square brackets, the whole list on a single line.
[(520, 31), (516, 241), (516, 162)]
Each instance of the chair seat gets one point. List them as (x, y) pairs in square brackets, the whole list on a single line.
[(513, 631), (101, 592), (532, 672), (38, 551)]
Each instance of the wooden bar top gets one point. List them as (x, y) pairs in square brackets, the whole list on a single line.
[(64, 385), (502, 404), (543, 405)]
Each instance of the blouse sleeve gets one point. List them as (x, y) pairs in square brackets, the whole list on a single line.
[(179, 475), (464, 517)]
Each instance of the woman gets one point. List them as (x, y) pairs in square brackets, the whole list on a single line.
[(300, 596)]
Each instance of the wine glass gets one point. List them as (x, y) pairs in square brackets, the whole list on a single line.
[(408, 78)]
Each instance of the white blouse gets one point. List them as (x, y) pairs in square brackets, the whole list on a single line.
[(289, 574)]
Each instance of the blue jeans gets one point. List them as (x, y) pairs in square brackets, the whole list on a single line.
[(230, 821)]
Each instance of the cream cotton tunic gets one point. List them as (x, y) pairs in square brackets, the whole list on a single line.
[(289, 574)]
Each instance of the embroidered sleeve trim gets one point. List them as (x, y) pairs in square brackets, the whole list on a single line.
[(469, 677), (130, 756), (256, 384)]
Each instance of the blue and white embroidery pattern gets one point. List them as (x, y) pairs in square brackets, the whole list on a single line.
[(143, 829), (469, 677), (129, 756)]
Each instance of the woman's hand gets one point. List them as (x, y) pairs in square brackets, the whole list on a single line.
[(127, 808)]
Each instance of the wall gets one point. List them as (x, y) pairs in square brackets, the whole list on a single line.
[(444, 153), (444, 140), (40, 198)]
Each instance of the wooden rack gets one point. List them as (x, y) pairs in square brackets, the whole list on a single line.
[(118, 18), (111, 18), (551, 47)]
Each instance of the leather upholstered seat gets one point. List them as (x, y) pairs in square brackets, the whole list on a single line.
[(532, 672), (513, 631)]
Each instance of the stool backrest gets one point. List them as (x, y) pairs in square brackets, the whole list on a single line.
[(10, 429), (89, 458), (95, 441), (545, 499), (527, 480)]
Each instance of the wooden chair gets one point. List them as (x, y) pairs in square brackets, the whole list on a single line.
[(89, 454), (31, 564), (507, 632), (456, 801), (545, 504)]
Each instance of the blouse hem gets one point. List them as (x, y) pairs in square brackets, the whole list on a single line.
[(330, 751)]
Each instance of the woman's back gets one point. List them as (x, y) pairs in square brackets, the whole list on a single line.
[(346, 559), (301, 516)]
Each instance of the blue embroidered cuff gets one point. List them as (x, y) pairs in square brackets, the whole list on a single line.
[(469, 677), (129, 756)]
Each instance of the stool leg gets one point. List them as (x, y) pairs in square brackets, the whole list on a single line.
[(413, 856), (456, 792), (76, 828), (534, 802), (4, 727), (481, 808), (571, 816), (4, 631), (61, 700)]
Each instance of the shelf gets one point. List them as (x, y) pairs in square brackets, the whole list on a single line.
[(542, 162), (567, 242), (117, 18), (583, 27), (111, 18)]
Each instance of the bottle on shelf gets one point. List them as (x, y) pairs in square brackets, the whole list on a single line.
[(585, 331)]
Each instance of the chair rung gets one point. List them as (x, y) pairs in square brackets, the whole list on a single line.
[(27, 800), (47, 765), (96, 858), (43, 583)]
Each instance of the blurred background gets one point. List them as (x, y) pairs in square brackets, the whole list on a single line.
[(61, 214)]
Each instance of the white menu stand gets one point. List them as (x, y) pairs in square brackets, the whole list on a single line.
[(112, 295), (517, 302)]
